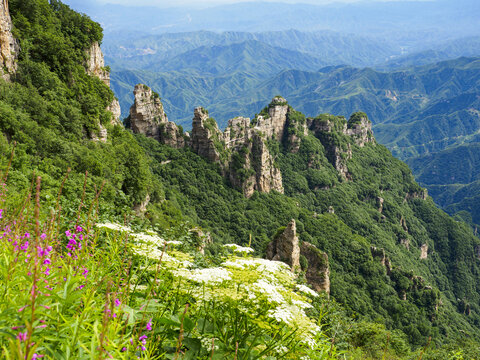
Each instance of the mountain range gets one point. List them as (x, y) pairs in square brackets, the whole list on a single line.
[(416, 110)]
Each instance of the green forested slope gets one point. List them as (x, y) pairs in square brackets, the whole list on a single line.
[(52, 107)]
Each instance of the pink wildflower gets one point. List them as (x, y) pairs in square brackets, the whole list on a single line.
[(117, 302), (22, 336), (78, 229), (149, 325), (43, 236)]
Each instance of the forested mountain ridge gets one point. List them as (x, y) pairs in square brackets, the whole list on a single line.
[(417, 111), (330, 169), (400, 269)]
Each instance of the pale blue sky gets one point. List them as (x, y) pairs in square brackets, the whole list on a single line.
[(170, 3)]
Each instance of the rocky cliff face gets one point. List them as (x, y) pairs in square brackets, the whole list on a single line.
[(274, 124), (206, 138), (285, 247), (96, 64), (116, 111), (9, 47), (241, 150), (148, 117), (328, 127)]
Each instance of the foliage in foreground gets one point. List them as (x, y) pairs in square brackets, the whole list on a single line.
[(72, 290)]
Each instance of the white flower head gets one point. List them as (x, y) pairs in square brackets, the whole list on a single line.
[(116, 227), (307, 290), (239, 249), (209, 275)]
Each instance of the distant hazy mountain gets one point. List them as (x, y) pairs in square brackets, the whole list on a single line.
[(413, 23), (145, 52), (452, 49)]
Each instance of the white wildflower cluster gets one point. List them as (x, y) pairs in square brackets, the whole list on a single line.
[(307, 290), (207, 343), (302, 304), (282, 313), (116, 227), (260, 265), (148, 238), (272, 292), (239, 249), (209, 275), (174, 242), (154, 253)]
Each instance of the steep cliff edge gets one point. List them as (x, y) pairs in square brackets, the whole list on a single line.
[(9, 46), (148, 117), (95, 66)]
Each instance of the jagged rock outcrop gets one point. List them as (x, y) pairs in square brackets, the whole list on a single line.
[(422, 195), (205, 138), (148, 117), (403, 224), (96, 63), (326, 127), (318, 270), (241, 150), (95, 66), (405, 242), (359, 127), (9, 46), (380, 202), (285, 247), (274, 124), (102, 134), (424, 251)]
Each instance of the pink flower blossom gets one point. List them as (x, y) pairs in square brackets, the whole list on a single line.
[(78, 229), (117, 302), (22, 336), (43, 236), (149, 325)]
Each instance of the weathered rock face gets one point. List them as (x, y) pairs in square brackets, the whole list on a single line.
[(116, 111), (9, 47), (102, 134), (422, 195), (424, 251), (360, 129), (96, 64), (204, 135), (240, 150), (148, 117), (318, 271), (274, 125), (285, 247), (380, 202)]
